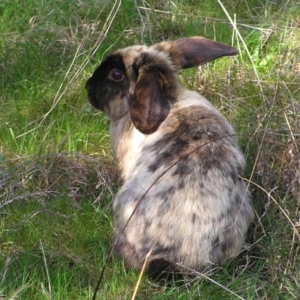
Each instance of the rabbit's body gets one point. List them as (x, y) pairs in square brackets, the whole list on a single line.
[(182, 193)]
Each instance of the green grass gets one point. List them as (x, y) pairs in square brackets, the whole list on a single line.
[(57, 175)]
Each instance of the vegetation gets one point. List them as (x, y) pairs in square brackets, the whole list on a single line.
[(57, 175)]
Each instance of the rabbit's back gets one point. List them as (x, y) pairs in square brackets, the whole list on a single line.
[(191, 206)]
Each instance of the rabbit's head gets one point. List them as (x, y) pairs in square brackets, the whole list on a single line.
[(142, 81)]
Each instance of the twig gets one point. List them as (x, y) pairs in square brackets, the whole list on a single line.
[(243, 42), (47, 271)]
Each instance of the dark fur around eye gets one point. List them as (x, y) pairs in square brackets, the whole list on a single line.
[(102, 86)]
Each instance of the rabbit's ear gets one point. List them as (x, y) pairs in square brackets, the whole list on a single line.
[(194, 51), (149, 105)]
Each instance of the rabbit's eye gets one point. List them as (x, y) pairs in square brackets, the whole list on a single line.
[(116, 75)]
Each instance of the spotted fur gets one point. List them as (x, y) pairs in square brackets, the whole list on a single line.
[(172, 143)]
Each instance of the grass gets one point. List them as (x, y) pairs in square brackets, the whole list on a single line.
[(57, 175)]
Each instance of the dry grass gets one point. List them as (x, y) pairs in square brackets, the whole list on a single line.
[(75, 176)]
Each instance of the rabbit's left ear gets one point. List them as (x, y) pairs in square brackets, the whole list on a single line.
[(149, 105), (194, 51)]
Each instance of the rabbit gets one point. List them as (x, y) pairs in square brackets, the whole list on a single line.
[(183, 206)]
